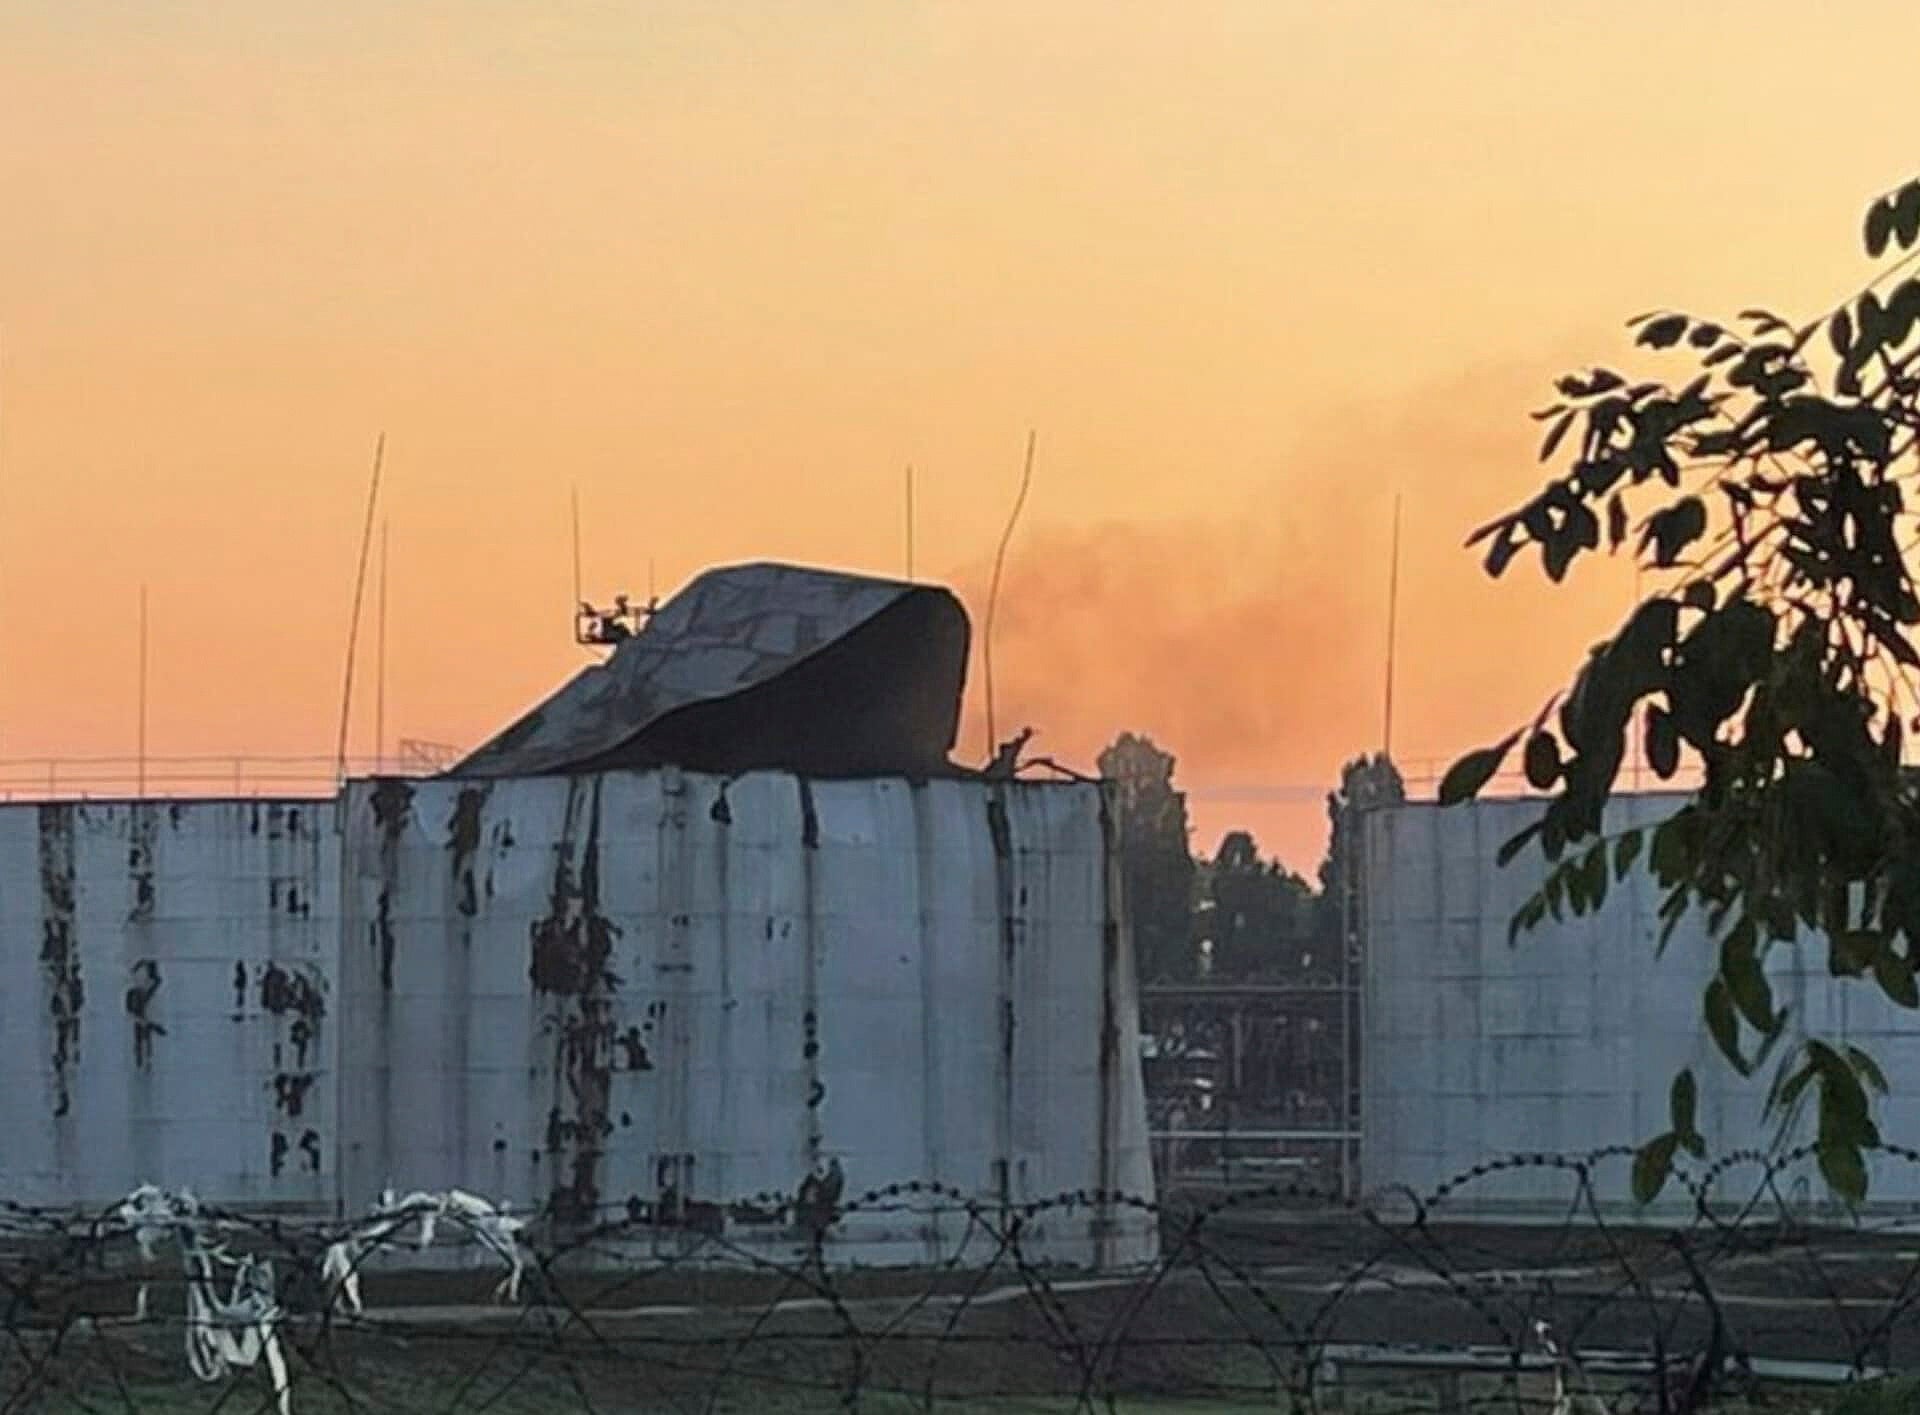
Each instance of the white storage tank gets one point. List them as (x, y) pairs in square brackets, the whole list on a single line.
[(1566, 1041), (700, 1002), (166, 1006)]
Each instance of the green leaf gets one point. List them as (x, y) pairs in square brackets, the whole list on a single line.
[(1672, 854), (1871, 331), (1845, 1170), (1616, 520), (1671, 531), (1663, 744), (1664, 332), (1638, 653), (1845, 1115), (1625, 852), (1466, 777), (1789, 1085), (1840, 332), (1904, 308), (1511, 848), (1770, 1042), (1594, 876), (1652, 1165), (1715, 666), (1895, 976), (1681, 1103), (1525, 918), (1825, 808), (1557, 433), (1542, 759), (1723, 1024), (1666, 929), (1698, 595), (1867, 1070), (1879, 227), (1746, 980), (1489, 529), (1852, 952), (1906, 215)]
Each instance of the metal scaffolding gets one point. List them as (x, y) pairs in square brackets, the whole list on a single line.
[(1248, 1084)]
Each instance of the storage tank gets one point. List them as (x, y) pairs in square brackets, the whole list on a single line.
[(699, 1001), (1567, 1040), (166, 1005)]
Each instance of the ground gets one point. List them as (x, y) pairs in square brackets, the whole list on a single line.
[(1233, 1320)]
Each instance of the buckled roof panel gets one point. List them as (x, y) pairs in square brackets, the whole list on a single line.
[(761, 667)]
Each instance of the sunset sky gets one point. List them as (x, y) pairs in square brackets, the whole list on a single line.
[(1250, 268)]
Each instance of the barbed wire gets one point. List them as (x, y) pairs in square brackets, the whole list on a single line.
[(1274, 1296)]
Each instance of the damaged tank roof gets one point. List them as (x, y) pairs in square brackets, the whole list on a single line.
[(761, 666)]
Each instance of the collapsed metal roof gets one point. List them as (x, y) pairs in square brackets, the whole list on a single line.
[(761, 666)]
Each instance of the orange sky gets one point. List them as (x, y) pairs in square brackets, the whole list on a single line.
[(1250, 266)]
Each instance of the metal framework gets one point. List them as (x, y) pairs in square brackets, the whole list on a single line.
[(1248, 1083), (123, 777)]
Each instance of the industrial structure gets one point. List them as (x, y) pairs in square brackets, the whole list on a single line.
[(715, 939), (1245, 1084), (1566, 1040), (705, 993), (761, 667), (167, 999)]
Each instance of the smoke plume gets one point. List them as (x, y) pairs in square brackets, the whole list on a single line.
[(1250, 640)]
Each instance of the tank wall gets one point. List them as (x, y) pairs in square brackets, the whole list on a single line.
[(678, 997), (1568, 1040), (166, 1005)]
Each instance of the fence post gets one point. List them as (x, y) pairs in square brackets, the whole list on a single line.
[(1226, 1139)]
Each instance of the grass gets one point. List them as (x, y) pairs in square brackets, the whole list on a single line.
[(165, 1400), (528, 1400), (1898, 1395), (439, 1374), (1176, 1348)]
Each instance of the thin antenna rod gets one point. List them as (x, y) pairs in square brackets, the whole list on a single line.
[(140, 768), (909, 523), (1393, 618), (380, 675), (576, 548), (359, 594), (3, 408), (993, 594)]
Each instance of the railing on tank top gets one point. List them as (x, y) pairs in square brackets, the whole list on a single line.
[(211, 775)]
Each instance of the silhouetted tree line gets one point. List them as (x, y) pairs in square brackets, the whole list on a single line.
[(1235, 914)]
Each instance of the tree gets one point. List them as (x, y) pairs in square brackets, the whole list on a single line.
[(1261, 914), (1767, 493), (1366, 782), (1156, 868)]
